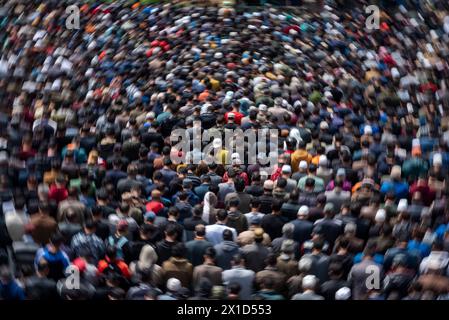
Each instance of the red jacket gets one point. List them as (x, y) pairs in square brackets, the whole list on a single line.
[(121, 265)]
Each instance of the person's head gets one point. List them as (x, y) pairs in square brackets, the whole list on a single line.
[(171, 233), (56, 240), (309, 283), (200, 231), (43, 267), (336, 270), (116, 294), (122, 227), (178, 250), (287, 230), (258, 235), (234, 290), (303, 213), (329, 210), (89, 226), (173, 213), (237, 260), (209, 255), (239, 185), (271, 260), (228, 235), (222, 216), (255, 204), (276, 206)]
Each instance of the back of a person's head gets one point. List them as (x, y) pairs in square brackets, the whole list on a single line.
[(178, 250), (200, 230), (227, 235), (170, 230), (276, 205), (234, 202), (222, 215), (210, 252), (255, 203), (239, 185)]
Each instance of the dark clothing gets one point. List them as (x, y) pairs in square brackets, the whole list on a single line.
[(189, 226), (163, 250), (196, 250), (265, 203), (303, 230), (289, 210), (37, 288), (329, 288), (224, 253), (272, 225)]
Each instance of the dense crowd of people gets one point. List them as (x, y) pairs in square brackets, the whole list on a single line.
[(95, 206)]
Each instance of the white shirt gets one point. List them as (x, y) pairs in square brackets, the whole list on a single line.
[(214, 233)]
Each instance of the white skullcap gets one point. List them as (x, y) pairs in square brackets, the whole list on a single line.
[(368, 130), (309, 282), (402, 205), (286, 168), (324, 125), (322, 161), (343, 294), (303, 164), (381, 215), (216, 143), (173, 284), (303, 211), (437, 159)]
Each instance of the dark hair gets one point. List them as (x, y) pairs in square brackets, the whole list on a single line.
[(170, 230), (239, 185), (178, 250), (197, 210), (255, 202), (234, 202), (89, 224), (56, 239), (228, 235), (210, 252), (200, 230), (276, 205), (234, 288), (222, 215)]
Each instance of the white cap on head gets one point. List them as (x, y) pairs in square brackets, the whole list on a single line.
[(343, 294), (415, 143), (235, 156), (322, 162), (381, 215), (303, 211), (286, 168), (216, 143), (324, 125), (173, 284), (309, 282), (368, 130), (402, 205), (303, 164), (263, 107), (437, 159)]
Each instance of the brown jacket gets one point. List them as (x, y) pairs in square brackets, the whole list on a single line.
[(211, 272), (437, 284), (178, 268), (277, 276), (43, 227), (287, 267)]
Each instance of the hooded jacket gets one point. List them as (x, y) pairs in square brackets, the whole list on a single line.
[(179, 268), (224, 253), (237, 221)]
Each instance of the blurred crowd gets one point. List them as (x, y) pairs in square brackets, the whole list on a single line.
[(94, 206)]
